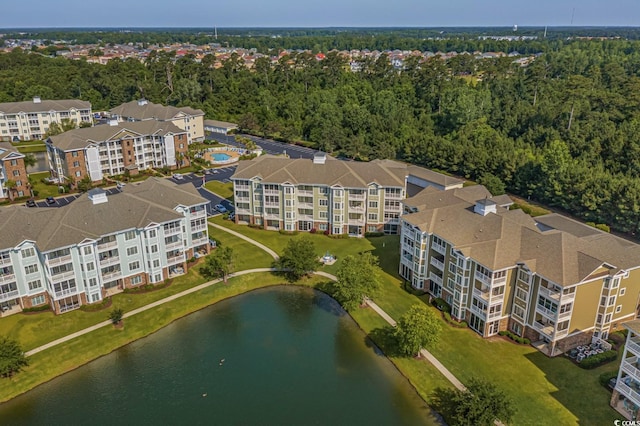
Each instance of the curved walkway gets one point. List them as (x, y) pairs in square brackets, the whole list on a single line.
[(247, 239), (426, 354)]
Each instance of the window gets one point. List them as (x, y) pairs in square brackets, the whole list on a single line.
[(38, 300), (565, 308), (31, 269), (35, 285), (93, 282), (87, 250), (616, 283), (14, 162), (323, 202), (618, 309), (603, 301), (132, 251), (154, 248), (337, 192), (599, 319), (76, 164), (337, 218), (16, 172), (181, 145), (152, 233), (373, 204), (91, 266), (518, 311), (612, 301), (136, 280), (607, 318), (18, 183), (543, 302), (323, 215), (74, 154), (337, 206), (134, 265), (28, 252), (78, 173), (523, 276), (373, 191), (323, 227), (156, 263), (373, 216), (623, 290)]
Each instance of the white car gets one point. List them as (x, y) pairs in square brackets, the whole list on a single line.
[(178, 176), (221, 208)]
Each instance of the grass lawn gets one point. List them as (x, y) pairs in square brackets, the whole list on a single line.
[(28, 149), (247, 256), (225, 190), (44, 190)]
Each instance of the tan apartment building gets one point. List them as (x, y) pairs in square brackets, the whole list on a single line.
[(28, 120), (14, 171), (188, 119), (99, 244), (551, 279), (328, 195), (115, 149)]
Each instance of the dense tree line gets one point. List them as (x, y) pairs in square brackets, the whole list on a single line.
[(563, 130)]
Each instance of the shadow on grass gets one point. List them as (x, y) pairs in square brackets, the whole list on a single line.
[(383, 341), (577, 389)]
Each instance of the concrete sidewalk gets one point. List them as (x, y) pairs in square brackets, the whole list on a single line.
[(247, 239)]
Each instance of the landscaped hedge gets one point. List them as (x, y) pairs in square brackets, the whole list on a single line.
[(37, 309), (605, 377), (95, 307), (441, 304), (451, 321), (515, 337), (338, 236), (373, 234), (283, 232), (597, 360)]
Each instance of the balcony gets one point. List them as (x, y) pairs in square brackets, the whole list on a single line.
[(436, 279), (304, 192), (439, 249), (108, 245), (173, 245), (200, 227), (479, 312), (239, 187), (241, 198), (273, 216), (305, 216), (628, 392), (271, 192), (272, 204), (564, 315), (58, 260), (175, 259), (634, 346), (198, 213), (357, 208), (111, 275), (172, 230), (66, 292), (201, 240), (549, 294), (111, 260), (546, 329), (5, 260), (6, 278), (494, 315), (630, 366), (9, 295), (359, 196), (483, 278), (546, 312), (437, 263), (482, 293)]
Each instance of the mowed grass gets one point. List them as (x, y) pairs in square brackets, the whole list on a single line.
[(44, 190), (225, 190), (55, 361), (33, 330)]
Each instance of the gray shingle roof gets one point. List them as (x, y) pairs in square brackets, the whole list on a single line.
[(43, 106), (151, 111), (81, 138), (138, 205), (7, 149)]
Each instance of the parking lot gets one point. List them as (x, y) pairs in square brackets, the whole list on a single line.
[(269, 146)]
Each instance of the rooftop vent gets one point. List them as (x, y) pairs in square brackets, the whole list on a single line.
[(98, 196), (319, 158), (142, 102), (113, 122), (37, 100), (484, 207)]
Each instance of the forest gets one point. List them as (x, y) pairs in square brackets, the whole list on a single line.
[(564, 130)]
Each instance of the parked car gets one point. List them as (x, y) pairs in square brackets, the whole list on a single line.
[(232, 216), (215, 171), (220, 208), (178, 176), (51, 200), (120, 185), (31, 203)]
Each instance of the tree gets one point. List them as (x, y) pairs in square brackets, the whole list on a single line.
[(219, 264), (493, 183), (482, 403), (116, 316), (12, 357), (358, 278), (417, 328), (85, 184), (30, 160), (11, 187), (298, 259)]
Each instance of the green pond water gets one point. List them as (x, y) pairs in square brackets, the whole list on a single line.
[(291, 356)]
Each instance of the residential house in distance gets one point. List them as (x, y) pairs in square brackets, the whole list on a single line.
[(21, 121), (328, 195), (115, 148), (551, 279), (12, 169), (222, 127), (188, 119), (99, 245)]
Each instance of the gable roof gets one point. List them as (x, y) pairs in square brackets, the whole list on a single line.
[(43, 106), (151, 111), (81, 138), (138, 205), (8, 151)]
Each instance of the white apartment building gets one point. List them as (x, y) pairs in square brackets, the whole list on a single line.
[(99, 245), (188, 119), (114, 148), (328, 195), (21, 121)]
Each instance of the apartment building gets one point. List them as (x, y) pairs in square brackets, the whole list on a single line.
[(13, 170), (188, 119), (626, 394), (328, 195), (115, 148), (99, 245), (28, 120), (551, 279)]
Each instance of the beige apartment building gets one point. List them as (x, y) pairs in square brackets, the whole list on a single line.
[(115, 149), (28, 120), (188, 119), (551, 279), (328, 195), (12, 169)]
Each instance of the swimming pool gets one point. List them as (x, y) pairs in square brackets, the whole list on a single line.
[(220, 157)]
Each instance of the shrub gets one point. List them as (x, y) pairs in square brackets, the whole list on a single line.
[(313, 230), (37, 309), (603, 227), (597, 360), (193, 259), (605, 377), (441, 304), (326, 232), (338, 236), (253, 225), (373, 234), (452, 322), (515, 337)]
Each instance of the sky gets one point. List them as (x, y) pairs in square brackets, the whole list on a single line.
[(316, 13)]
